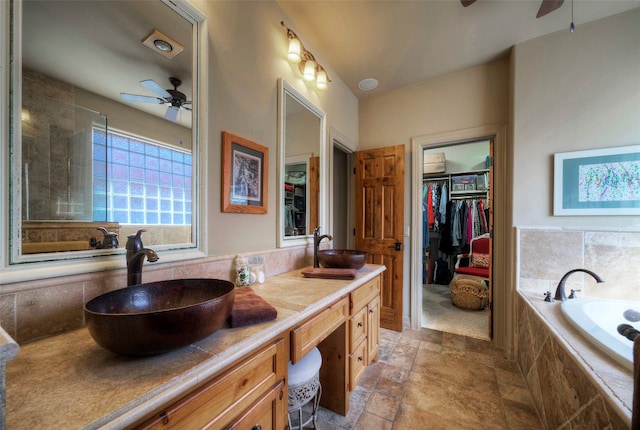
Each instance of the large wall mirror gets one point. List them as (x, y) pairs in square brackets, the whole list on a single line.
[(105, 102), (301, 167)]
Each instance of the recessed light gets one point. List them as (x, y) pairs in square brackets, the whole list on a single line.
[(368, 84), (162, 44)]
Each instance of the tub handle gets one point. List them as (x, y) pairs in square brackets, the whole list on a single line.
[(573, 294)]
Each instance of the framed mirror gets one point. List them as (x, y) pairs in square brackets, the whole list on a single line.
[(106, 115), (301, 167)]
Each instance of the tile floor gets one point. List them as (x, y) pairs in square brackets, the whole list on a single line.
[(432, 380)]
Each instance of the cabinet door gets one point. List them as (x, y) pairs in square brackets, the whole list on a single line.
[(267, 413), (373, 334), (219, 401)]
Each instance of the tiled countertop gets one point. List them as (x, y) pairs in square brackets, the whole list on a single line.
[(69, 382)]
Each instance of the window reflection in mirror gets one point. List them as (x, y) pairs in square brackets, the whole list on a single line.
[(88, 157), (301, 146)]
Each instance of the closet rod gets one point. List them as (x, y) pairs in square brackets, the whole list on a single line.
[(443, 178)]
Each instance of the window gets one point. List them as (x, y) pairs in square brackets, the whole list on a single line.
[(139, 181)]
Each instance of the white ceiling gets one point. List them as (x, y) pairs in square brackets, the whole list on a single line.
[(401, 42)]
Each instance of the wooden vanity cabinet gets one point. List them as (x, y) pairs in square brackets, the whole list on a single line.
[(364, 329), (251, 394)]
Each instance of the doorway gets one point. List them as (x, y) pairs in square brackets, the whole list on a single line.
[(341, 197), (456, 200)]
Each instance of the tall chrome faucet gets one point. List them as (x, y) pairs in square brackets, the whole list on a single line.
[(135, 257), (316, 244), (560, 294)]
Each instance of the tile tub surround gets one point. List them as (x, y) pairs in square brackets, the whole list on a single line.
[(68, 381), (48, 306), (556, 360), (8, 351), (573, 384)]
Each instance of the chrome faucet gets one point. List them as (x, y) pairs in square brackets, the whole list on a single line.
[(560, 294), (135, 257), (316, 244)]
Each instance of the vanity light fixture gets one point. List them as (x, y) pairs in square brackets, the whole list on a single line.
[(162, 44), (307, 63)]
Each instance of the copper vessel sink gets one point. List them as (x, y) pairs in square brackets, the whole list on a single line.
[(342, 258), (158, 317)]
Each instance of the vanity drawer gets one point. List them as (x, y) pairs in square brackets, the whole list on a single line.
[(218, 402), (357, 329), (361, 296), (357, 364), (310, 333)]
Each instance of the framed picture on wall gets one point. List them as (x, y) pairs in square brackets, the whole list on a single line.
[(597, 182), (244, 175)]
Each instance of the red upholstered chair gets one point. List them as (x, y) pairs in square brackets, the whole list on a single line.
[(478, 258)]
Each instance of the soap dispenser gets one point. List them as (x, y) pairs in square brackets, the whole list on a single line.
[(243, 277)]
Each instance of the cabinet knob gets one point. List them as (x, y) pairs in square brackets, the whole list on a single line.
[(371, 311), (257, 427), (361, 358), (360, 324)]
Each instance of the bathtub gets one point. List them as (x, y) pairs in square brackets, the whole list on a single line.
[(598, 320)]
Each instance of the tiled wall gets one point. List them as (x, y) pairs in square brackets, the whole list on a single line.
[(546, 255), (45, 307), (563, 391), (566, 391)]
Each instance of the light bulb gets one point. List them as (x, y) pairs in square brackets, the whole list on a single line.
[(309, 73), (294, 50), (321, 80)]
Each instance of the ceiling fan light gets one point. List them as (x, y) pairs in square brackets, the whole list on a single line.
[(294, 50), (321, 80), (309, 73)]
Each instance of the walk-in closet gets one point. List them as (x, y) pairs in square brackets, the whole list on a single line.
[(456, 203)]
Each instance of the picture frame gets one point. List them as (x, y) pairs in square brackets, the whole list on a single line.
[(244, 175), (597, 182)]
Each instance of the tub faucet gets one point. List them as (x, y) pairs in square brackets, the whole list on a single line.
[(560, 294), (135, 257), (316, 244)]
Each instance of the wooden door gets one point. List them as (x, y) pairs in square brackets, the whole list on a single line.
[(380, 221)]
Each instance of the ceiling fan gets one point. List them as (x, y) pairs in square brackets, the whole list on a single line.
[(175, 99), (546, 7)]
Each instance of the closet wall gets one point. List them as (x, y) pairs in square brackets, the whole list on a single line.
[(455, 205)]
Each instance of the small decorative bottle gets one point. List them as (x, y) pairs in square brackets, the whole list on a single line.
[(243, 276)]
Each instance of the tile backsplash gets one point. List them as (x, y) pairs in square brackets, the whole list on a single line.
[(48, 306), (546, 255)]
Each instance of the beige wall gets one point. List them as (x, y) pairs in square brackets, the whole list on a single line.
[(247, 56), (571, 92), (466, 99), (463, 100)]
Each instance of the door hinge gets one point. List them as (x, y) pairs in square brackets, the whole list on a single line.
[(354, 231), (354, 171)]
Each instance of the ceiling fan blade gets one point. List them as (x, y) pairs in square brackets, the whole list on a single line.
[(466, 3), (548, 6), (156, 88), (136, 98), (172, 113)]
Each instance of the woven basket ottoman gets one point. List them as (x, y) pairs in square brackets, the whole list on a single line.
[(469, 292)]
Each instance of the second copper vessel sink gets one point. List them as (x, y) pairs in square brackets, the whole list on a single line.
[(158, 317), (342, 258)]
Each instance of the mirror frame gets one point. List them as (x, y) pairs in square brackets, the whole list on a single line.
[(10, 86), (286, 89)]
